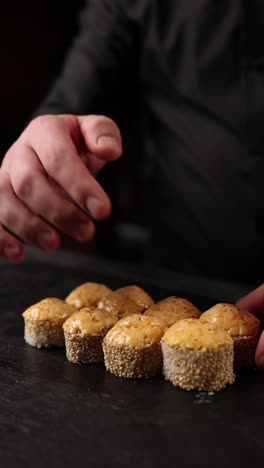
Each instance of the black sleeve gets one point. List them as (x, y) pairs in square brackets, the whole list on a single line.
[(102, 58)]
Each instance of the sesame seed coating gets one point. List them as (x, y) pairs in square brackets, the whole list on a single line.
[(43, 334), (199, 369), (132, 347), (198, 356), (84, 332), (133, 363), (84, 349)]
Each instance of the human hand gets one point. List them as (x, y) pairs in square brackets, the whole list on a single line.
[(48, 185), (254, 303)]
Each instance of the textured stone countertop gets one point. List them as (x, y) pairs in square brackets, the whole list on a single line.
[(56, 414)]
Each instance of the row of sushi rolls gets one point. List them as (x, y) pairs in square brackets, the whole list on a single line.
[(137, 338)]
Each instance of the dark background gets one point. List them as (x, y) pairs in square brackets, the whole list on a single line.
[(34, 38)]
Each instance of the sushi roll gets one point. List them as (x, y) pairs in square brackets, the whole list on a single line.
[(43, 322), (243, 327), (198, 356), (132, 348), (84, 332)]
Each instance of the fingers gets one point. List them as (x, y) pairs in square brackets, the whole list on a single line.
[(19, 219), (52, 142), (46, 181), (260, 353), (10, 247), (102, 137), (32, 187), (253, 302)]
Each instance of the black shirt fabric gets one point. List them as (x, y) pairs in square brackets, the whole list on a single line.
[(199, 65)]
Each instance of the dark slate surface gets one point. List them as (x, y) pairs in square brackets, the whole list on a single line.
[(56, 414)]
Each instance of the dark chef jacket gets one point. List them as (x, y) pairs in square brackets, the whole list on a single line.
[(199, 65)]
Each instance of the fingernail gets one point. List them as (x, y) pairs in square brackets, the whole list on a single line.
[(94, 207), (111, 145), (47, 240), (107, 140), (12, 251)]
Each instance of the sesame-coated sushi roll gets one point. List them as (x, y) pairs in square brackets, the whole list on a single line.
[(132, 348), (43, 323), (198, 356), (84, 333), (172, 309), (243, 327), (126, 301), (87, 294)]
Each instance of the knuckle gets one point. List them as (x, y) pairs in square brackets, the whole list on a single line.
[(42, 121), (55, 158), (10, 154), (23, 184), (3, 185)]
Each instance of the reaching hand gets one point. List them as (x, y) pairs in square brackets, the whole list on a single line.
[(48, 185), (254, 303)]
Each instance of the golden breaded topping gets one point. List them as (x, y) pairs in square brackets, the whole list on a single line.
[(195, 334), (126, 301), (138, 295), (172, 309), (235, 321), (90, 321), (87, 294), (119, 304), (136, 331), (50, 309)]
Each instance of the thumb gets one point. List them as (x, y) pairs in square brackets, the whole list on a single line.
[(102, 137), (259, 358), (253, 302)]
